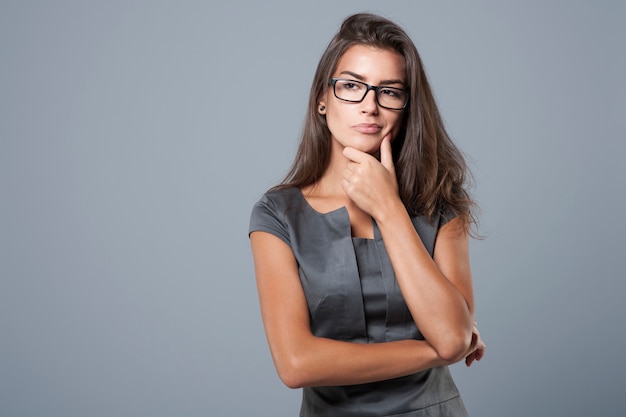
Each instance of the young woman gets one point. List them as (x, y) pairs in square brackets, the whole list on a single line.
[(361, 253)]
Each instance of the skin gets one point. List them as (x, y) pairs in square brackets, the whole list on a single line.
[(361, 177)]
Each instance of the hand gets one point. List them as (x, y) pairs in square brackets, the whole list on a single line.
[(368, 182), (477, 348)]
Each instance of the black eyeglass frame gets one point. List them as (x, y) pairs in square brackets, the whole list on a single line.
[(333, 82)]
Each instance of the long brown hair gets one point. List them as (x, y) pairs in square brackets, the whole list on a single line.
[(430, 169)]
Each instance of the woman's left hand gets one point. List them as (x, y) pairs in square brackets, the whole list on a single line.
[(369, 183), (478, 350)]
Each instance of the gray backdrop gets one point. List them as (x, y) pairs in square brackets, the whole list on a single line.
[(135, 137)]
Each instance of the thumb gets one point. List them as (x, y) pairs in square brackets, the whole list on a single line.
[(386, 156)]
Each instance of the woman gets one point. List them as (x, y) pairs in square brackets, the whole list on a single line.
[(361, 253)]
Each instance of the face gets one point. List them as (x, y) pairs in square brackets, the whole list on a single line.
[(363, 125)]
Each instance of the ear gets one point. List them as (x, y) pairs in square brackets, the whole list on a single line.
[(321, 107), (322, 100)]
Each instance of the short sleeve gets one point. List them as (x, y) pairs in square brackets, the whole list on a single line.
[(445, 217), (266, 217)]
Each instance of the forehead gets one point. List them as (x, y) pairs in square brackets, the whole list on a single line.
[(373, 64)]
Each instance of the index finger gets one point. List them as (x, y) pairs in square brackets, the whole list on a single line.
[(386, 157), (354, 154)]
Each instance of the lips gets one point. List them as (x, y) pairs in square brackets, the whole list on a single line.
[(367, 128)]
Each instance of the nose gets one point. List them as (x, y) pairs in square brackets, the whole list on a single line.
[(369, 103)]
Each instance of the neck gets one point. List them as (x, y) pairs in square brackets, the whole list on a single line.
[(330, 183)]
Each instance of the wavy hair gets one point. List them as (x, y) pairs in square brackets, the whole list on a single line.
[(431, 171)]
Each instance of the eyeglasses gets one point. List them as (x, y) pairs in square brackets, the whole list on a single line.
[(355, 91)]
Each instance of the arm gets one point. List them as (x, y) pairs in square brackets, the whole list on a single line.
[(438, 290), (302, 359)]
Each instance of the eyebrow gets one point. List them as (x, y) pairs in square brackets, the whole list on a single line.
[(361, 78)]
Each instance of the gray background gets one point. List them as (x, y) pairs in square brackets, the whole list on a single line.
[(135, 137)]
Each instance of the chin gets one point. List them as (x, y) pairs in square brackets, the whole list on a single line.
[(364, 144), (369, 147)]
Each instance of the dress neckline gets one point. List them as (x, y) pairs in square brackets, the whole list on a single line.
[(337, 211), (310, 207)]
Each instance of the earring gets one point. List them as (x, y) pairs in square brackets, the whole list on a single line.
[(322, 108)]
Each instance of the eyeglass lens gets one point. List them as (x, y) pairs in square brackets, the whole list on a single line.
[(355, 91)]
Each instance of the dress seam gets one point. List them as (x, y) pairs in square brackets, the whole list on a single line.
[(407, 413)]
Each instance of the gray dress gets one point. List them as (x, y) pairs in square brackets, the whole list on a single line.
[(352, 295)]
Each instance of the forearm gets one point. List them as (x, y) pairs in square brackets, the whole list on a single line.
[(325, 362), (443, 314)]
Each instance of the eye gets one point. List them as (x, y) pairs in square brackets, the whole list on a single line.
[(391, 92), (350, 85)]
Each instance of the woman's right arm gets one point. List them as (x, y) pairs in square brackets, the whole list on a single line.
[(302, 359)]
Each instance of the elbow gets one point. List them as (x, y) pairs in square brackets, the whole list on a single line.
[(455, 347), (292, 372), (295, 361), (291, 383), (291, 379)]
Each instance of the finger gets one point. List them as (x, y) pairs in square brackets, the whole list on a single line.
[(354, 154), (474, 341), (348, 174), (352, 166), (480, 353), (345, 184), (386, 156)]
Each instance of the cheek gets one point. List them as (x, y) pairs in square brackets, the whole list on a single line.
[(333, 120), (396, 124)]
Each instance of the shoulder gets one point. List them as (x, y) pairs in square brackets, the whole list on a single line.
[(428, 228), (277, 201), (269, 212)]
